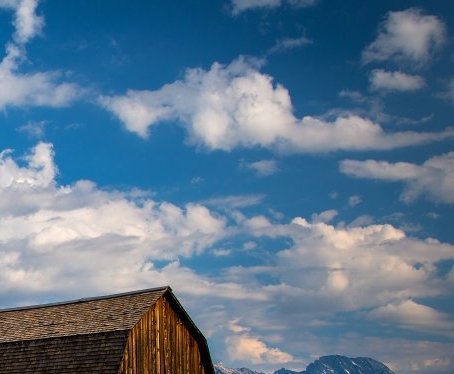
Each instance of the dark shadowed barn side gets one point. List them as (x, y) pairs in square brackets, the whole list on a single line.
[(142, 332)]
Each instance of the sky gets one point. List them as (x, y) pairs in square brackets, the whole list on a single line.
[(286, 166)]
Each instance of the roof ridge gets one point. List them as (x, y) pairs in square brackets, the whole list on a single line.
[(86, 299)]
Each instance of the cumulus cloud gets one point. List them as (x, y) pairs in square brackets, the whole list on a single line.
[(434, 179), (330, 269), (40, 170), (237, 106), (41, 220), (358, 267), (244, 5), (395, 81), (224, 107), (406, 36), (251, 349), (48, 231), (247, 348)]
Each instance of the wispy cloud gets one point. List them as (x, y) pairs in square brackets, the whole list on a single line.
[(411, 315), (449, 93), (26, 22), (354, 200), (262, 167), (325, 217), (239, 6), (290, 43), (434, 179), (234, 201), (34, 130)]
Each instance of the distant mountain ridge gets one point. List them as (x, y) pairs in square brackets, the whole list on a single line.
[(221, 369), (334, 364)]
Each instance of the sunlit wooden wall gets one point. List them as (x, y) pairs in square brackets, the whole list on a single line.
[(161, 344)]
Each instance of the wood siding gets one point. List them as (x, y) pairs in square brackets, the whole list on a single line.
[(160, 343)]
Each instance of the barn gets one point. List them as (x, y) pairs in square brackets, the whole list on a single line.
[(145, 331)]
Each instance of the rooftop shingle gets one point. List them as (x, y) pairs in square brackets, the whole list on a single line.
[(85, 316)]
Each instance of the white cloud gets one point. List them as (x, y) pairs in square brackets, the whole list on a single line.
[(433, 179), (47, 230), (32, 89), (41, 220), (328, 269), (221, 108), (262, 167), (395, 81), (234, 201), (412, 315), (355, 96), (33, 129), (325, 217), (244, 5), (352, 133), (65, 240), (290, 43), (450, 91), (406, 36), (237, 106), (27, 23), (251, 349), (354, 200), (358, 266), (40, 171)]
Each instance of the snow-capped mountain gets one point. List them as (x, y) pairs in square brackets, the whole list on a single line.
[(345, 365), (324, 365), (219, 368)]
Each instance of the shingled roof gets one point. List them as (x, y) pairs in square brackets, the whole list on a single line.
[(81, 336)]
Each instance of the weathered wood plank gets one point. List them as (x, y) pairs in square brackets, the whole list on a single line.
[(161, 344)]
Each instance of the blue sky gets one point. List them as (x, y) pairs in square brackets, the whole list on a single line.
[(286, 166)]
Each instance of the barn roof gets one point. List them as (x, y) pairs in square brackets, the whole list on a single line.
[(84, 316), (88, 335)]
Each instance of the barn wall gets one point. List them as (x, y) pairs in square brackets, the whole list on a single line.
[(161, 344)]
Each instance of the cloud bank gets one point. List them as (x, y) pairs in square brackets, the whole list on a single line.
[(67, 239)]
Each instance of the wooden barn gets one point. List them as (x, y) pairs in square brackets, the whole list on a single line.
[(139, 332)]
